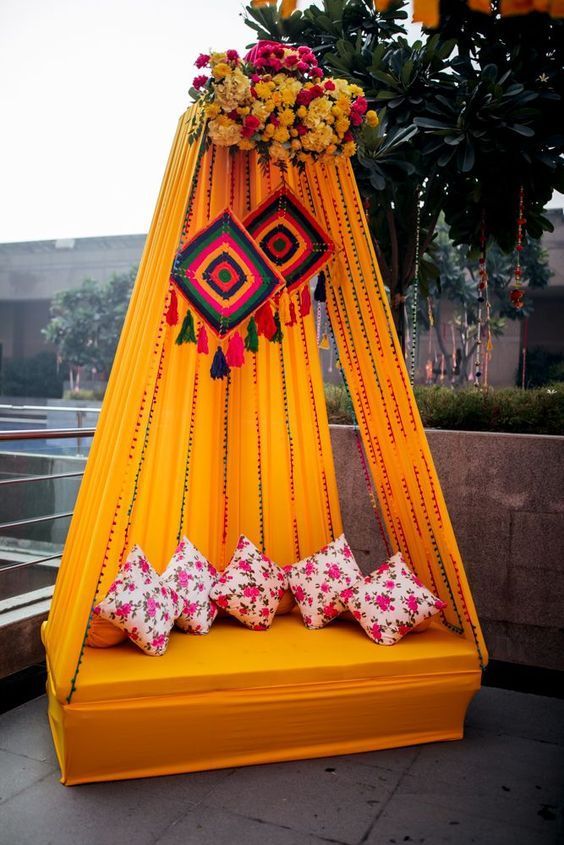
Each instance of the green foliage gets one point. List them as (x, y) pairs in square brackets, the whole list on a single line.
[(96, 394), (467, 115), (542, 367), (457, 282), (33, 377), (86, 321), (512, 410)]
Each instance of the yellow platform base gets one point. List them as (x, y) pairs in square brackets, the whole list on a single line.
[(237, 697)]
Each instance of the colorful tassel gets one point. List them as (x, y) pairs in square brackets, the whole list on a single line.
[(265, 321), (219, 368), (277, 336), (284, 307), (235, 356), (251, 340), (320, 293), (305, 301), (203, 347), (292, 321), (187, 333), (172, 310)]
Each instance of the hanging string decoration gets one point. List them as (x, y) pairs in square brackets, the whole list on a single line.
[(516, 294), (290, 237), (224, 275), (415, 297)]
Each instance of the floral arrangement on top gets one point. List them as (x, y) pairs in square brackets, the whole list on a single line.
[(277, 100)]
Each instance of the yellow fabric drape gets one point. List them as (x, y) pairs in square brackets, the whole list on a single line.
[(178, 453)]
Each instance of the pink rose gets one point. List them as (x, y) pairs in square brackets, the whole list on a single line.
[(412, 604), (190, 608), (221, 601), (244, 566), (330, 610), (199, 82), (124, 610), (182, 578), (151, 606), (334, 571), (376, 632), (202, 60), (299, 593), (325, 588), (309, 568), (251, 592), (383, 601), (158, 641)]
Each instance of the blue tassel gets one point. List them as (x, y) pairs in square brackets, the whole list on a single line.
[(320, 294), (219, 367)]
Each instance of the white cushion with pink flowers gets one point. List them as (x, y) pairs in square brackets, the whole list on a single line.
[(192, 577), (250, 587), (317, 582), (391, 601), (140, 604)]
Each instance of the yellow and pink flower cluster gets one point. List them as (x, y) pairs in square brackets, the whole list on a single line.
[(277, 100)]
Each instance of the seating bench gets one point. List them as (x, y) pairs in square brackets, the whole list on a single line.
[(238, 697)]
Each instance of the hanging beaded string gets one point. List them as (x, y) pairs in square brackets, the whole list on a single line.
[(259, 454), (225, 459), (291, 458), (415, 294), (482, 284), (517, 294)]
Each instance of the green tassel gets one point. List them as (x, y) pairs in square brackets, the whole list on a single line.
[(187, 333), (252, 341), (277, 336)]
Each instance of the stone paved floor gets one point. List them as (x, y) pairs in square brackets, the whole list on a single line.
[(502, 785)]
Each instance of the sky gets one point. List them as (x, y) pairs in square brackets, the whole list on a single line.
[(91, 92)]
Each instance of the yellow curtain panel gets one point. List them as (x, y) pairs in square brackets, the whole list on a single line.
[(177, 452)]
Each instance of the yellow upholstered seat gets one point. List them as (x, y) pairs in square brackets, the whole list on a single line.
[(233, 657)]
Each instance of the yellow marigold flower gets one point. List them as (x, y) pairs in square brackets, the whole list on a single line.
[(344, 104), (337, 111), (221, 70), (349, 149), (212, 110), (264, 90), (286, 117), (341, 125), (318, 110), (290, 91), (217, 57), (269, 130), (356, 90), (243, 110), (296, 145), (302, 111), (261, 110), (246, 144), (281, 134), (372, 118), (293, 133)]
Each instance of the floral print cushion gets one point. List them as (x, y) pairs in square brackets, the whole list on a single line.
[(139, 603), (318, 581), (192, 577), (250, 587), (391, 601)]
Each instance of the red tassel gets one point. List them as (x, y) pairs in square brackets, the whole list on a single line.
[(305, 303), (235, 351), (203, 340), (292, 321), (265, 321), (172, 310)]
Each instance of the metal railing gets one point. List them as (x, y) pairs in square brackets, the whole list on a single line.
[(39, 434)]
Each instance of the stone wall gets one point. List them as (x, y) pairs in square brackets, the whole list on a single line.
[(506, 500)]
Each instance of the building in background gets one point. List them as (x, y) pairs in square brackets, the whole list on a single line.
[(32, 272)]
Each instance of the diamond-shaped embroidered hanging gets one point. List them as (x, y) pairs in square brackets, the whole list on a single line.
[(290, 236), (224, 274)]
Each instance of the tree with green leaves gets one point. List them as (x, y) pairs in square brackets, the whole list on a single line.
[(86, 322), (457, 283), (468, 115)]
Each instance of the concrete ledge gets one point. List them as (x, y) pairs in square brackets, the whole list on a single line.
[(506, 500)]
